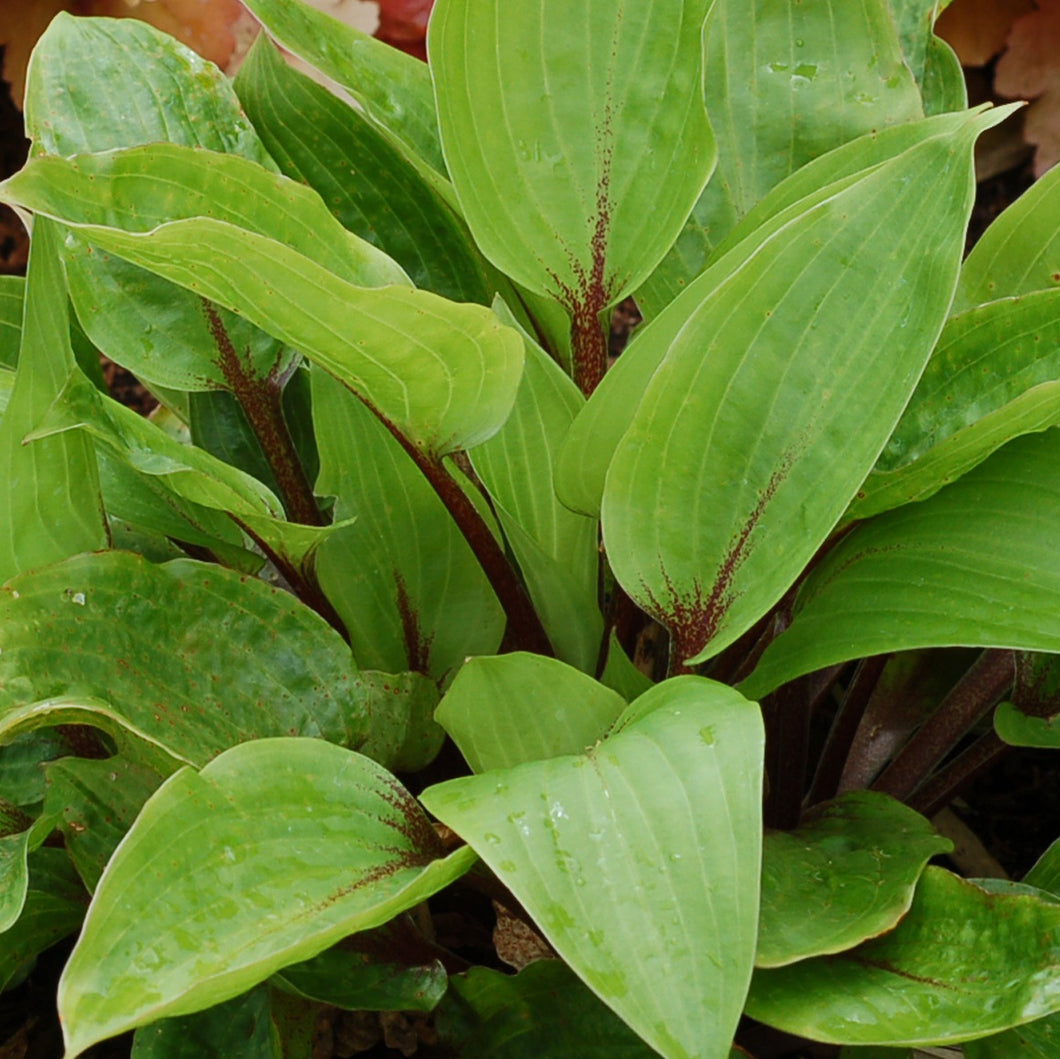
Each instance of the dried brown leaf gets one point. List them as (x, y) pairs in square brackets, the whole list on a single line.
[(977, 29), (1030, 69)]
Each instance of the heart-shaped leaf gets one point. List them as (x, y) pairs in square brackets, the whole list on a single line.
[(518, 707), (273, 852), (643, 853)]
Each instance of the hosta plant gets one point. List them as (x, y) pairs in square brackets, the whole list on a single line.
[(407, 600)]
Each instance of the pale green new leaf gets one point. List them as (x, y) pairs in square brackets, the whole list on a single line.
[(933, 979), (977, 565), (576, 138), (992, 377), (792, 371), (445, 375), (557, 549), (519, 707), (639, 858), (50, 504), (1020, 252), (243, 660), (273, 852), (846, 873), (393, 88), (403, 578), (591, 442), (784, 83), (139, 320)]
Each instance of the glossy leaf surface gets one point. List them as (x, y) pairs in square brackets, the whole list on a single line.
[(543, 1010), (393, 88), (1013, 257), (557, 550), (991, 378), (97, 802), (49, 498), (94, 623), (270, 854), (444, 374), (572, 126), (367, 182), (138, 319), (519, 707), (599, 426), (794, 368), (54, 907), (847, 873), (639, 854), (933, 979), (901, 580), (784, 84)]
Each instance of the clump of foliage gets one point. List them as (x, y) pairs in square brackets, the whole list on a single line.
[(393, 493)]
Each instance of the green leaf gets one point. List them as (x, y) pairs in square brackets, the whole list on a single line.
[(847, 873), (620, 674), (784, 83), (140, 321), (991, 378), (240, 1028), (901, 581), (88, 88), (641, 854), (54, 907), (598, 428), (403, 578), (544, 1010), (557, 549), (1017, 728), (1036, 1040), (358, 976), (561, 137), (96, 802), (519, 707), (933, 979), (12, 295), (444, 375), (1045, 874), (49, 504), (793, 370), (404, 736), (18, 838), (393, 88), (243, 660), (932, 61), (367, 182), (272, 853), (1018, 253)]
